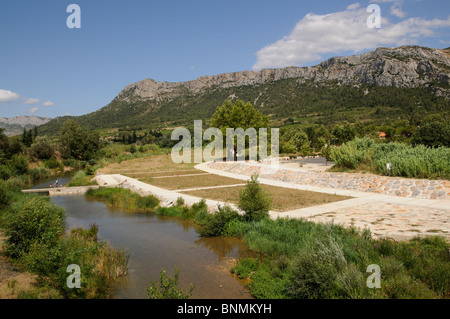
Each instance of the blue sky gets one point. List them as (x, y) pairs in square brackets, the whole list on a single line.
[(50, 70)]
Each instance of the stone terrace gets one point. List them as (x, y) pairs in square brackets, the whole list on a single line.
[(393, 186)]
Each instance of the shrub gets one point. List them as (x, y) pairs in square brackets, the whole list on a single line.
[(34, 220), (100, 264), (180, 201), (19, 164), (42, 149), (168, 288), (316, 269), (253, 200), (5, 197), (52, 163), (216, 224), (147, 202), (89, 170), (5, 172), (38, 173)]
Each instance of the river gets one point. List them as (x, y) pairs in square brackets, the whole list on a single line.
[(155, 243)]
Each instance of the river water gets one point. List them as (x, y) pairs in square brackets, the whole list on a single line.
[(157, 242)]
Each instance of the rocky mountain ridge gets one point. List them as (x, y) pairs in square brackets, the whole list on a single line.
[(15, 125), (407, 66)]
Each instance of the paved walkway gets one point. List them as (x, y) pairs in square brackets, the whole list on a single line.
[(385, 215)]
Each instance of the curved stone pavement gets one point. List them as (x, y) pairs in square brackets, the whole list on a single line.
[(396, 217)]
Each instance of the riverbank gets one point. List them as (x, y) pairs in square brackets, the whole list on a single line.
[(36, 242), (302, 259)]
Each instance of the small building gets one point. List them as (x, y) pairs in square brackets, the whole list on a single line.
[(382, 135)]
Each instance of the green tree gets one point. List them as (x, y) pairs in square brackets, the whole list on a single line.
[(344, 133), (433, 134), (77, 142), (238, 115), (295, 140), (20, 164), (42, 149), (27, 137), (4, 144), (253, 200)]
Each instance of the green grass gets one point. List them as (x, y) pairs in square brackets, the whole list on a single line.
[(406, 160), (308, 260), (301, 259), (81, 179), (123, 198)]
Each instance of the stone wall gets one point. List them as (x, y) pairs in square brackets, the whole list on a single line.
[(394, 186)]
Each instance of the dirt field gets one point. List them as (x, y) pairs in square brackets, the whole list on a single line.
[(283, 199)]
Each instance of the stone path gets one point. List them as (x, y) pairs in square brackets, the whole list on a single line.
[(386, 215), (398, 217), (394, 186)]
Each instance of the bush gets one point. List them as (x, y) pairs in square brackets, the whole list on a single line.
[(52, 163), (253, 200), (89, 171), (147, 202), (42, 149), (315, 270), (180, 201), (5, 197), (33, 221), (100, 264), (168, 288), (5, 172), (216, 224), (38, 173), (19, 164)]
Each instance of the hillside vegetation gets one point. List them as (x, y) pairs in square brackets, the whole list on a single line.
[(386, 84)]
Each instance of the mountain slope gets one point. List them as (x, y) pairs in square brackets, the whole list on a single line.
[(395, 82), (15, 125)]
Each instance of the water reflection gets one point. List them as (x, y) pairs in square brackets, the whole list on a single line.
[(159, 242), (224, 247)]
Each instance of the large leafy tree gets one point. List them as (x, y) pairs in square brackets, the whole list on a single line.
[(433, 134), (76, 142), (238, 115)]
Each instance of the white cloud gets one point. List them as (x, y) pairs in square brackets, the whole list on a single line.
[(33, 110), (31, 101), (48, 103), (397, 11), (317, 35), (8, 96)]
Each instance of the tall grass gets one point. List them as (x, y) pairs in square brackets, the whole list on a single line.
[(307, 260), (123, 198), (407, 161), (81, 179)]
